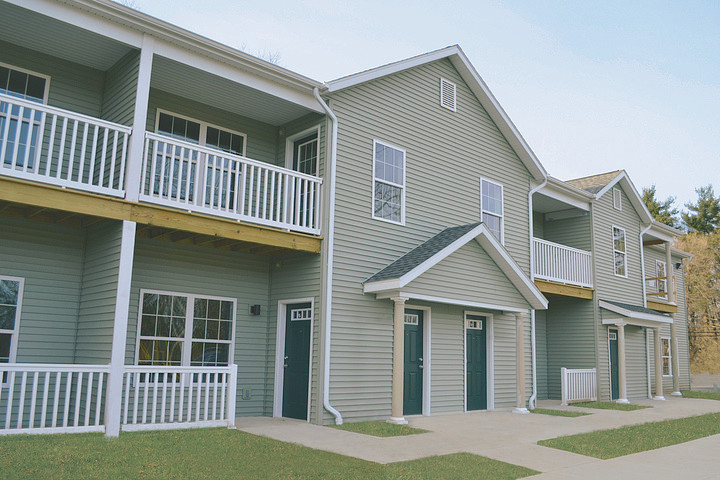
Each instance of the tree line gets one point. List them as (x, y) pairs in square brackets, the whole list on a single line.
[(701, 222)]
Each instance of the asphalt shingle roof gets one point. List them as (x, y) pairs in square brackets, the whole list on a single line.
[(636, 308), (421, 253), (594, 183)]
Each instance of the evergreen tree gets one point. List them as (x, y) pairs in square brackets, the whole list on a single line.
[(664, 211), (703, 216)]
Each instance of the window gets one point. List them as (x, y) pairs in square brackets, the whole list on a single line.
[(29, 86), (491, 207), (11, 290), (617, 198), (666, 356), (302, 151), (189, 330), (389, 184), (661, 283), (619, 252), (448, 92)]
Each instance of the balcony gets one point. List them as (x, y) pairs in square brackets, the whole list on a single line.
[(656, 293), (563, 265)]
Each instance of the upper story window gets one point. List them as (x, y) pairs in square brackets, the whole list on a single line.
[(201, 133), (666, 356), (617, 198), (23, 84), (189, 330), (619, 252), (11, 290), (302, 151), (491, 207), (389, 183)]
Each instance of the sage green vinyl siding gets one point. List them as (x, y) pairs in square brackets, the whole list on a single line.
[(446, 155), (609, 286), (261, 137), (293, 277), (181, 268), (99, 289), (636, 362), (468, 275), (447, 358), (50, 259), (120, 89), (538, 225), (572, 232), (542, 354), (570, 338), (72, 86)]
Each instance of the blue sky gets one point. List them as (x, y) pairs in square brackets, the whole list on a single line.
[(592, 86)]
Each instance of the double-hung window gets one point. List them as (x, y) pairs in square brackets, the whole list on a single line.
[(491, 207), (389, 183), (666, 356), (11, 290), (19, 132), (185, 330), (619, 252)]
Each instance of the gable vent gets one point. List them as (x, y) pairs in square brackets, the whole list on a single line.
[(447, 95), (617, 199)]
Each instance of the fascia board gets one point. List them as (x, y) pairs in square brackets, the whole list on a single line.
[(450, 301), (563, 195), (634, 315)]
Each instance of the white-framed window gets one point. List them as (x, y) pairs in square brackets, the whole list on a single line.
[(27, 85), (11, 292), (388, 183), (302, 151), (491, 207), (202, 133), (412, 319), (182, 329), (666, 356), (448, 94), (617, 198), (619, 251), (661, 284)]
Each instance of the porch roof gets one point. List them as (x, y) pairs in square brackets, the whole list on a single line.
[(634, 314)]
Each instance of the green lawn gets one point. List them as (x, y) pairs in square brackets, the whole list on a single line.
[(379, 429), (701, 394), (610, 406), (637, 438), (559, 413), (216, 454)]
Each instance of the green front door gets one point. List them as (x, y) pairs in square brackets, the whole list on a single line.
[(614, 382), (476, 369), (297, 361), (413, 379)]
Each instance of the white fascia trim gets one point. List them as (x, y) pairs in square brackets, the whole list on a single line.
[(632, 194), (631, 317), (563, 194), (450, 301)]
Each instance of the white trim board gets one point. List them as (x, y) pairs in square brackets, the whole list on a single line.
[(630, 317)]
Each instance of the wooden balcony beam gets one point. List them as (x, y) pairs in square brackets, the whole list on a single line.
[(564, 289)]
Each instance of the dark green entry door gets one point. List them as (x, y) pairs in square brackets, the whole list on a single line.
[(297, 361), (413, 380), (614, 382), (476, 354)]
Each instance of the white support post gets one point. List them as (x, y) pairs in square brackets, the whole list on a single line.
[(520, 362), (113, 397), (231, 396), (658, 366), (669, 274), (675, 360), (133, 167), (622, 379), (398, 379)]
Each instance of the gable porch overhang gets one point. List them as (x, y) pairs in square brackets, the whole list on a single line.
[(632, 315)]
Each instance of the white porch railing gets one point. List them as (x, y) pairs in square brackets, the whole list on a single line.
[(40, 398), (559, 263), (178, 397), (200, 179), (578, 385), (51, 145)]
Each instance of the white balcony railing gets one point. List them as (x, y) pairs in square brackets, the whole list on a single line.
[(51, 145), (559, 263), (200, 179)]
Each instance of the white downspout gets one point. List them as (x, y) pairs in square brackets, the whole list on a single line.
[(330, 239), (533, 355), (642, 264)]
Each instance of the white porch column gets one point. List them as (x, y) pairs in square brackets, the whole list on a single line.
[(133, 167), (675, 360), (113, 394), (520, 361), (621, 365), (658, 366), (398, 361), (669, 273)]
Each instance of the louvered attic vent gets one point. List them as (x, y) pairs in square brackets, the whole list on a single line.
[(617, 199), (447, 95)]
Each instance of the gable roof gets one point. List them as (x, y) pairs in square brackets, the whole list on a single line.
[(594, 183), (635, 312), (600, 184), (476, 84), (420, 259)]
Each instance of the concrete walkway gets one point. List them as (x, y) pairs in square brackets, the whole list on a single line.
[(513, 438)]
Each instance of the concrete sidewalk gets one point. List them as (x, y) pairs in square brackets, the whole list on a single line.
[(513, 438)]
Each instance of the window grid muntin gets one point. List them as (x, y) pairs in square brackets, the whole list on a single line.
[(619, 245), (30, 74), (492, 207), (307, 155), (666, 356), (388, 193)]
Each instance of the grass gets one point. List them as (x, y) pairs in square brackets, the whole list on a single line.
[(637, 438), (610, 406), (213, 454), (701, 394), (379, 429), (559, 413)]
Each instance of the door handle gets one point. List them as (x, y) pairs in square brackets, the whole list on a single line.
[(286, 357), (285, 365), (420, 359), (422, 366)]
